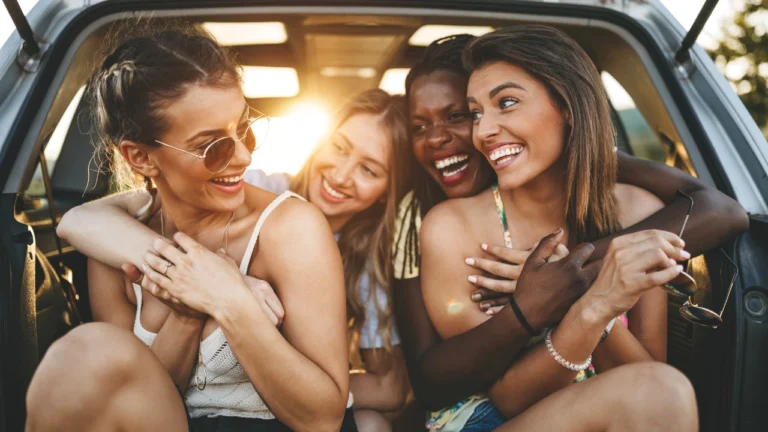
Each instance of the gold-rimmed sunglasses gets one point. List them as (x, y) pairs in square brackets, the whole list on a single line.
[(218, 154), (683, 285), (707, 317)]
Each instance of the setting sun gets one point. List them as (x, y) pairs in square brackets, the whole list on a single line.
[(291, 139)]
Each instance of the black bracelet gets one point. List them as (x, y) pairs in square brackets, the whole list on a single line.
[(521, 317)]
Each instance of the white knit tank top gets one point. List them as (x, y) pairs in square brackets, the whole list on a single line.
[(228, 391)]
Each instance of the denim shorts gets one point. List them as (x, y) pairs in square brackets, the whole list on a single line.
[(485, 418), (240, 424)]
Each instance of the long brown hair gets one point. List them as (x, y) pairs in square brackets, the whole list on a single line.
[(574, 83), (366, 239)]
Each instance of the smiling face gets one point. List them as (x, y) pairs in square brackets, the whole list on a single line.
[(517, 125), (200, 116), (350, 171), (441, 134)]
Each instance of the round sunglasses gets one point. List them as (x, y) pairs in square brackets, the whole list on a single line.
[(218, 154), (707, 317), (683, 285)]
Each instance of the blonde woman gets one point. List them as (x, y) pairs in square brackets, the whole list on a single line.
[(351, 179)]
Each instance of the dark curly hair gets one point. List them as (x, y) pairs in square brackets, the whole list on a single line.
[(444, 54)]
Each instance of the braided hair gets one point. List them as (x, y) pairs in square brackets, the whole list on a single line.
[(140, 78)]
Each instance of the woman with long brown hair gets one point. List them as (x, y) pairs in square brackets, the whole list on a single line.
[(542, 122), (354, 177), (443, 372)]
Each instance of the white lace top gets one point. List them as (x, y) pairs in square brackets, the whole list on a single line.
[(228, 391)]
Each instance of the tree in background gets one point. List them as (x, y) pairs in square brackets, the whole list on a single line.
[(744, 48)]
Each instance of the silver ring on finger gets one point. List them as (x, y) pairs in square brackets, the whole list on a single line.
[(168, 265)]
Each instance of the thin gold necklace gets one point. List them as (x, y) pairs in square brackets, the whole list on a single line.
[(223, 244)]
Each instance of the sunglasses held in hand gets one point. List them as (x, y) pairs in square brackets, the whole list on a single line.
[(706, 317), (683, 285)]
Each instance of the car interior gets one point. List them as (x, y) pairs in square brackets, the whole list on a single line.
[(297, 68)]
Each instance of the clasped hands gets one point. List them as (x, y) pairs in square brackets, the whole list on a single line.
[(195, 282), (549, 278)]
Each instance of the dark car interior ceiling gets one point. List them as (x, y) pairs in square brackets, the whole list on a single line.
[(336, 56)]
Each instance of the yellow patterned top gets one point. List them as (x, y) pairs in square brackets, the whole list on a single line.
[(406, 265)]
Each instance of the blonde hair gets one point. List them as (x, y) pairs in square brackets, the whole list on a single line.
[(366, 239)]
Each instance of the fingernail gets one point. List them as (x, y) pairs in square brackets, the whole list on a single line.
[(475, 296), (679, 268), (489, 312), (685, 254), (472, 279), (470, 261), (484, 247), (144, 267), (485, 305)]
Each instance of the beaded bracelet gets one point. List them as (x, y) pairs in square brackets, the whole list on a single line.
[(563, 362)]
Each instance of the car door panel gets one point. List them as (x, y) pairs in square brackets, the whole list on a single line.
[(747, 372), (18, 326)]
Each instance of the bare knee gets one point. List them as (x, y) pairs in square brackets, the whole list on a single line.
[(101, 350), (80, 372), (661, 393), (371, 421)]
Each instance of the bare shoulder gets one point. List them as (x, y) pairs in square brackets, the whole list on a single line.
[(296, 218), (296, 232), (635, 204), (450, 215)]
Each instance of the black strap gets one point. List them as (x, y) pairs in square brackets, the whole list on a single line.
[(521, 317)]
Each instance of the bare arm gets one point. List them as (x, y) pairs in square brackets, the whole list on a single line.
[(630, 271), (306, 377), (384, 384), (442, 372), (716, 218), (481, 355), (648, 318), (108, 299), (177, 340), (94, 229), (301, 374), (534, 376)]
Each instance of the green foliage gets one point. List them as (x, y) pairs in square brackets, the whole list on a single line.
[(747, 39)]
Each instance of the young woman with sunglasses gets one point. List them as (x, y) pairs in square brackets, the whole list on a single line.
[(443, 372), (203, 329), (350, 177)]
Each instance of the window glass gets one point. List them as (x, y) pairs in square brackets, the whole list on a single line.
[(54, 145), (643, 141)]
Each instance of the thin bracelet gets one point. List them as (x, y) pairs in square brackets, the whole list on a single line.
[(521, 317), (607, 330), (563, 362)]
